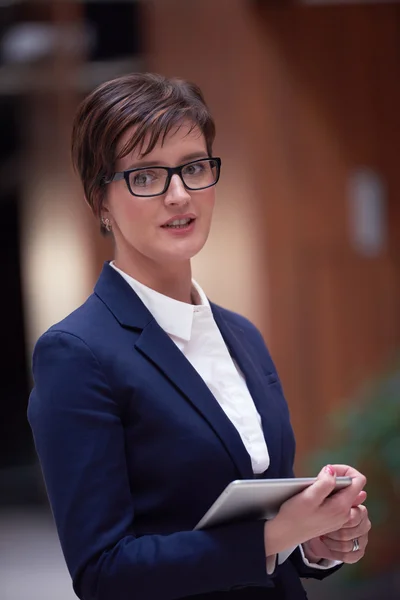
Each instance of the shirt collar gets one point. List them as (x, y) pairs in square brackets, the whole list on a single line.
[(175, 317)]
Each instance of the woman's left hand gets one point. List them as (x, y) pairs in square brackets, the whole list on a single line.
[(342, 544)]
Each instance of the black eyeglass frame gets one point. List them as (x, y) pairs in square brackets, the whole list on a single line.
[(170, 171)]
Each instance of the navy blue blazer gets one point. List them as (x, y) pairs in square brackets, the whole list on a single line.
[(134, 449)]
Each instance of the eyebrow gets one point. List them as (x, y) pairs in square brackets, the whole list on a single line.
[(184, 159)]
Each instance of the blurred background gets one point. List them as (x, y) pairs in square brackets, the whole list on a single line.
[(306, 98)]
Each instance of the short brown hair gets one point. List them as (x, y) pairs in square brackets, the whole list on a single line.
[(152, 103)]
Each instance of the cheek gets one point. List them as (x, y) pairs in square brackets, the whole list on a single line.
[(132, 213), (207, 202), (137, 214)]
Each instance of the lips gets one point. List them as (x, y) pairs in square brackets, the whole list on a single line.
[(179, 221)]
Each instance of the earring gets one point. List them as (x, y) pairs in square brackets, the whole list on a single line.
[(106, 223)]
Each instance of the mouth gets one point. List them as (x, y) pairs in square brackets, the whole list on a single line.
[(183, 223)]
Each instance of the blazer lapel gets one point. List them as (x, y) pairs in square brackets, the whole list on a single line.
[(156, 346), (246, 357)]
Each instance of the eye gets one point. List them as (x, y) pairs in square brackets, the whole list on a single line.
[(143, 178), (195, 169)]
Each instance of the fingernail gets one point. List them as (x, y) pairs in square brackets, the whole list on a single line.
[(329, 469)]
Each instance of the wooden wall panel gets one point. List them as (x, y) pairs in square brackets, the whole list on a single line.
[(338, 70)]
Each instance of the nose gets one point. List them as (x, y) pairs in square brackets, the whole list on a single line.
[(176, 193)]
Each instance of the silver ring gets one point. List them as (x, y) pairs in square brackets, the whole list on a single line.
[(356, 545)]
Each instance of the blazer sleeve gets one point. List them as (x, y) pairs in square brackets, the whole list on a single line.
[(79, 439)]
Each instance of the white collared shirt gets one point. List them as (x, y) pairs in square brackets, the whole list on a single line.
[(194, 331)]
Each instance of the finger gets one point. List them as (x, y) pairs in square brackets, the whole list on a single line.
[(348, 557), (347, 471), (351, 493), (362, 496), (322, 487), (350, 533), (345, 546), (357, 514)]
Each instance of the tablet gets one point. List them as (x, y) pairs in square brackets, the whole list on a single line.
[(257, 499)]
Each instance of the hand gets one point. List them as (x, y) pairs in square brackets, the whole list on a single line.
[(313, 512), (338, 545)]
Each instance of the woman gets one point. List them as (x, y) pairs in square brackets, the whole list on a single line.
[(149, 400)]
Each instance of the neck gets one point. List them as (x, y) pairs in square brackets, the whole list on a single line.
[(173, 280)]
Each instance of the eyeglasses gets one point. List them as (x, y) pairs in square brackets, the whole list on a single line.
[(154, 181)]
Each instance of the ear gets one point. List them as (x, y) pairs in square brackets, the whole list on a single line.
[(105, 211), (101, 203)]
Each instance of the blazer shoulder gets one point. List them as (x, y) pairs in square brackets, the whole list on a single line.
[(252, 334), (83, 322), (238, 320)]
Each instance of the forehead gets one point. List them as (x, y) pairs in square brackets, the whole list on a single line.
[(181, 140)]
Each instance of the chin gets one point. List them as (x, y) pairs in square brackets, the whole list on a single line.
[(182, 254)]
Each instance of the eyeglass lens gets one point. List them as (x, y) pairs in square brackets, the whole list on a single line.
[(151, 181)]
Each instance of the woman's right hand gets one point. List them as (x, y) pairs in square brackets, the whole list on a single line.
[(313, 513)]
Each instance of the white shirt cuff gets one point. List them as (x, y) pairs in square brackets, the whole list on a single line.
[(324, 563), (271, 564), (282, 556)]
